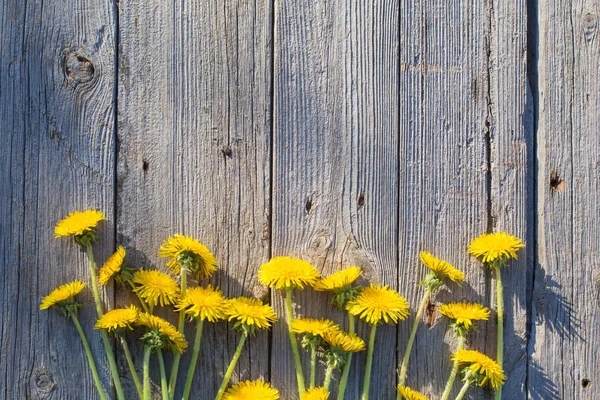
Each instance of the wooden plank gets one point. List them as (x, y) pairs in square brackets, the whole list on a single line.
[(564, 359), (194, 120), (335, 161), (56, 155)]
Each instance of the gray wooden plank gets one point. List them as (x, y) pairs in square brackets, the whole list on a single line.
[(56, 155), (335, 161), (565, 363), (194, 130)]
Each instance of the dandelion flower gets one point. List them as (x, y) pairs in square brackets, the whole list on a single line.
[(314, 327), (182, 249), (338, 280), (252, 390), (377, 303), (62, 294), (347, 342), (251, 312), (492, 247), (484, 368), (287, 272), (112, 266), (155, 287), (318, 393), (119, 318), (441, 267), (464, 313), (165, 335), (204, 303), (78, 223), (407, 393)]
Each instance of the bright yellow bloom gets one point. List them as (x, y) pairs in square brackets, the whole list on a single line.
[(491, 247), (348, 342), (203, 261), (112, 266), (287, 272), (377, 303), (318, 393), (156, 287), (441, 267), (77, 222), (62, 293), (252, 390), (338, 280), (171, 338), (118, 318), (251, 312), (407, 393), (315, 327), (465, 313), (486, 369), (204, 303)]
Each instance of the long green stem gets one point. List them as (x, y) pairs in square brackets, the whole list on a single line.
[(146, 392), (463, 391), (328, 375), (181, 327), (134, 374), (194, 360), (142, 302), (294, 342), (313, 364), (105, 340), (411, 339), (452, 378), (232, 364), (347, 364), (90, 357), (163, 376), (367, 381), (500, 344)]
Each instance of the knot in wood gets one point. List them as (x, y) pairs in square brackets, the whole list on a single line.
[(77, 68), (43, 380), (590, 23)]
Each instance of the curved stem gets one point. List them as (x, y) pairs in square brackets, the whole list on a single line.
[(328, 375), (367, 381), (134, 374), (347, 364), (500, 344), (411, 339), (463, 391), (294, 342), (232, 364), (313, 364), (146, 391), (181, 327), (194, 360), (453, 373), (163, 376), (90, 357), (142, 302)]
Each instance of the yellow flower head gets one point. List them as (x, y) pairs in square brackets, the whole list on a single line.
[(118, 319), (187, 251), (441, 267), (252, 390), (376, 303), (250, 312), (338, 280), (318, 393), (492, 247), (112, 266), (407, 393), (347, 342), (464, 313), (204, 303), (62, 294), (314, 327), (287, 272), (156, 287), (78, 223), (162, 334), (485, 369)]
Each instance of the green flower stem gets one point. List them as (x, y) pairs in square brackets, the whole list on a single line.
[(134, 374), (328, 375), (90, 357), (367, 381), (105, 340), (181, 327), (500, 344), (294, 342), (411, 339), (465, 387), (452, 378), (347, 364), (194, 360), (163, 376), (232, 364), (142, 302), (146, 393), (313, 364)]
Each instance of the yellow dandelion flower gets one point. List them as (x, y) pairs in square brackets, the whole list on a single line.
[(315, 327), (338, 280), (180, 248), (252, 390), (376, 303), (441, 267), (491, 247), (251, 312), (204, 303), (484, 368), (78, 222), (407, 393), (287, 272), (155, 287), (465, 313), (119, 318), (112, 266), (318, 393), (170, 338), (61, 294), (348, 342)]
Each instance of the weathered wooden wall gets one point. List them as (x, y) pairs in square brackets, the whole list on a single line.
[(341, 131)]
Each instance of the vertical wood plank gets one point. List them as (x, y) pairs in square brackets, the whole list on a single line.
[(194, 130), (335, 161), (56, 155)]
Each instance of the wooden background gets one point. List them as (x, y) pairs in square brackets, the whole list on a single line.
[(341, 131)]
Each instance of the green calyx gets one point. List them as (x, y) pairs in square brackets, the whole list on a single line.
[(86, 238), (70, 308), (344, 295), (154, 340), (432, 281)]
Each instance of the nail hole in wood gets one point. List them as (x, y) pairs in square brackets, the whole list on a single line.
[(227, 151), (308, 205), (361, 200), (145, 165), (430, 314), (556, 183), (586, 383)]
